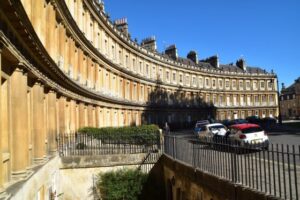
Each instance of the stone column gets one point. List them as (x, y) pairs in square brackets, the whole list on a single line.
[(38, 126), (92, 75), (67, 116), (76, 116), (90, 115), (52, 131), (61, 52), (1, 150), (19, 123), (76, 58), (61, 115), (66, 54), (97, 77), (81, 115), (84, 70)]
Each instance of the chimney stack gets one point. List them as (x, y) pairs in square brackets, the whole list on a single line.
[(241, 63), (171, 51), (193, 56), (122, 26), (149, 43), (213, 60), (100, 5)]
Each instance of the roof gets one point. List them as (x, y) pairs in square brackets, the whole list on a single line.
[(292, 88), (223, 67), (244, 126)]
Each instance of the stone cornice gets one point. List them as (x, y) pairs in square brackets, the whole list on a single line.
[(80, 38), (48, 68)]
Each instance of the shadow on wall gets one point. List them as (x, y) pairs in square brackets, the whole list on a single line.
[(180, 109)]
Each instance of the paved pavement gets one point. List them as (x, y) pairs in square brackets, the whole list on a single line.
[(285, 138)]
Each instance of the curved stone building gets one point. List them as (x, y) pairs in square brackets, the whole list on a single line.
[(64, 65)]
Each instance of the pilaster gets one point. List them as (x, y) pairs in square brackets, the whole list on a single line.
[(81, 115), (90, 116), (52, 130), (61, 33), (68, 116), (76, 62), (38, 119), (19, 150), (66, 54), (1, 150), (72, 116), (61, 115), (77, 116)]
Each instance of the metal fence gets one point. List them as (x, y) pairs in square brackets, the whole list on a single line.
[(85, 144), (274, 171), (149, 161)]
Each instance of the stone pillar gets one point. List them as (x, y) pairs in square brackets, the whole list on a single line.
[(76, 116), (90, 115), (81, 115), (50, 33), (61, 115), (61, 51), (92, 76), (97, 88), (52, 131), (76, 63), (84, 70), (19, 150), (66, 54), (72, 117), (38, 126), (38, 19), (1, 150), (67, 116)]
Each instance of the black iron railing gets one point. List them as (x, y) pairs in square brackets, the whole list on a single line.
[(149, 161), (274, 170), (85, 144)]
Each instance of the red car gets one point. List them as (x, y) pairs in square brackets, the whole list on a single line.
[(248, 134)]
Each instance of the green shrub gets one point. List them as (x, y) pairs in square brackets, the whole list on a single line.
[(138, 135), (122, 184)]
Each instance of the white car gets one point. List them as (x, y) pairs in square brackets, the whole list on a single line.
[(248, 134), (211, 130)]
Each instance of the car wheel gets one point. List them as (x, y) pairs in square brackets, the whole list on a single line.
[(266, 148)]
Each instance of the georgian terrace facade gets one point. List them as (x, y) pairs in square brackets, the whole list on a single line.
[(64, 65)]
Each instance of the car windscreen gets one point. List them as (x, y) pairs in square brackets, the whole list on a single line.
[(252, 130), (199, 125), (216, 127)]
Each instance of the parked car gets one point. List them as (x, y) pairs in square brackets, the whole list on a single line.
[(212, 131), (253, 119), (228, 123), (199, 125), (248, 135)]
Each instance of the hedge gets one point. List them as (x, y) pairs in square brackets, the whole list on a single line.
[(140, 134), (121, 184)]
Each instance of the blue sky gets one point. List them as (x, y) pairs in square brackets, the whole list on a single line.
[(264, 32)]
